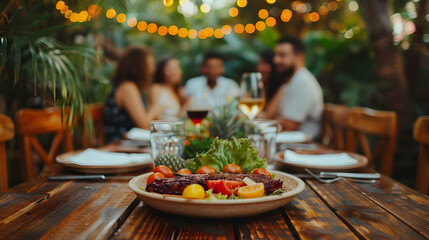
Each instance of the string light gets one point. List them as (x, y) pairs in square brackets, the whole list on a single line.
[(314, 17), (239, 28), (110, 13), (162, 30), (142, 26), (242, 3), (271, 22), (233, 12), (286, 15), (250, 28), (271, 1), (183, 32), (173, 30), (132, 22), (226, 29), (218, 33), (205, 8), (121, 18), (260, 26), (168, 3), (263, 14), (151, 28), (192, 33)]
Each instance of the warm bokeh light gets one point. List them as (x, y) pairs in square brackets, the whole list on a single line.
[(332, 6), (94, 10), (218, 33), (74, 17), (83, 16), (271, 1), (271, 22), (260, 26), (183, 32), (110, 13), (233, 12), (168, 3), (151, 28), (250, 28), (353, 6), (192, 33), (209, 31), (226, 29), (132, 22), (64, 9), (142, 26), (241, 3), (323, 10), (286, 15), (121, 18), (263, 13), (68, 14), (60, 5), (162, 30), (239, 28), (173, 30), (314, 17), (205, 8), (202, 34)]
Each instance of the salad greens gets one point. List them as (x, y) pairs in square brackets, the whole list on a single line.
[(196, 147), (211, 196), (223, 152)]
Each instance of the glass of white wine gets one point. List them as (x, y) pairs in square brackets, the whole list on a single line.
[(252, 99)]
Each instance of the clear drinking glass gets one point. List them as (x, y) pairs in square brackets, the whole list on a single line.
[(252, 99), (167, 137), (262, 133)]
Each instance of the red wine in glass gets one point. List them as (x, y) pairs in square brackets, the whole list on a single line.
[(197, 116)]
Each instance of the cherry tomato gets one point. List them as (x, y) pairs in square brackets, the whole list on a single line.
[(195, 191), (228, 187), (184, 171), (232, 168), (206, 170), (213, 184), (164, 170), (252, 191), (154, 176), (262, 171)]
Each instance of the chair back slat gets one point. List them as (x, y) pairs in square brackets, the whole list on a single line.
[(7, 131), (421, 135), (362, 122), (96, 137), (33, 122), (333, 125)]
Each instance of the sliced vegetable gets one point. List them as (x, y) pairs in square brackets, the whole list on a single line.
[(262, 171), (184, 171), (229, 187), (213, 184), (154, 176), (248, 181), (232, 168), (206, 170), (164, 170), (194, 191), (252, 191)]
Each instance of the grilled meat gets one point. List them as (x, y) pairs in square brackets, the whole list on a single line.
[(178, 183)]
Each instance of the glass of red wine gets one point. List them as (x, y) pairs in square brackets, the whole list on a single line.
[(197, 112)]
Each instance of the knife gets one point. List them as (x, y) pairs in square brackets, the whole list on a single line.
[(351, 175), (87, 177)]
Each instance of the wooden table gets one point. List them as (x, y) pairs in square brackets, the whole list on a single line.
[(109, 210)]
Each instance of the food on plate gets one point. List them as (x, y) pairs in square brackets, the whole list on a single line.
[(178, 183), (252, 191), (196, 147), (154, 176), (184, 171), (262, 171), (206, 170), (232, 168), (222, 152), (194, 191), (227, 187), (172, 161), (164, 170)]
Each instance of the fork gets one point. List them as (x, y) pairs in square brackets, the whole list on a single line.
[(339, 178)]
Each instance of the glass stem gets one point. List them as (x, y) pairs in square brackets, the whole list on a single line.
[(198, 130)]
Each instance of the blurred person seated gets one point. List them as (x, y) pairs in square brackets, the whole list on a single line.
[(126, 105), (212, 88), (298, 104), (271, 80), (166, 91)]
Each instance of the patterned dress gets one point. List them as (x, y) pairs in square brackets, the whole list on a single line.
[(117, 122)]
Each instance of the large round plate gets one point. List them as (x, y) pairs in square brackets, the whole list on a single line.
[(63, 159), (362, 162), (218, 208)]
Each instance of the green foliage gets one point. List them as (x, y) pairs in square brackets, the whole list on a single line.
[(196, 147)]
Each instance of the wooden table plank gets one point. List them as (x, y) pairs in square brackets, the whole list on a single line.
[(147, 223), (99, 216), (13, 205), (312, 219), (188, 228), (270, 225), (384, 185), (367, 218)]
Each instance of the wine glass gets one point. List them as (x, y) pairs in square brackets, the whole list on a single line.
[(198, 110), (252, 99)]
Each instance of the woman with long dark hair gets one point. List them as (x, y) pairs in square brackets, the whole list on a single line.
[(267, 69), (167, 91), (126, 106)]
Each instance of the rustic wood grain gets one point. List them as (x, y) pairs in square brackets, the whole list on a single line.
[(270, 225), (411, 208), (312, 219), (204, 229), (368, 219), (147, 223), (13, 205), (383, 185)]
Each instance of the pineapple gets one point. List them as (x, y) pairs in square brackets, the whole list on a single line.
[(174, 162), (226, 121)]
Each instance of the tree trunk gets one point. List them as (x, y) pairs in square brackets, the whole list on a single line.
[(376, 14)]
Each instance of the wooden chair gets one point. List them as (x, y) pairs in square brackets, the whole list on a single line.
[(6, 133), (421, 135), (334, 121), (33, 122), (96, 138), (362, 122)]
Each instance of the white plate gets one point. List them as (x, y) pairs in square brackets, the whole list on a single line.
[(218, 208)]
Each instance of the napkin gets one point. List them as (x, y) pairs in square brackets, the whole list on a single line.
[(336, 159), (294, 136), (93, 157), (138, 134)]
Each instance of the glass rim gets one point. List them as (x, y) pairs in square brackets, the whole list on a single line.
[(167, 121)]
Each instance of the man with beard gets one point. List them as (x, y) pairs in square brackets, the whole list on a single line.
[(211, 88), (298, 104)]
